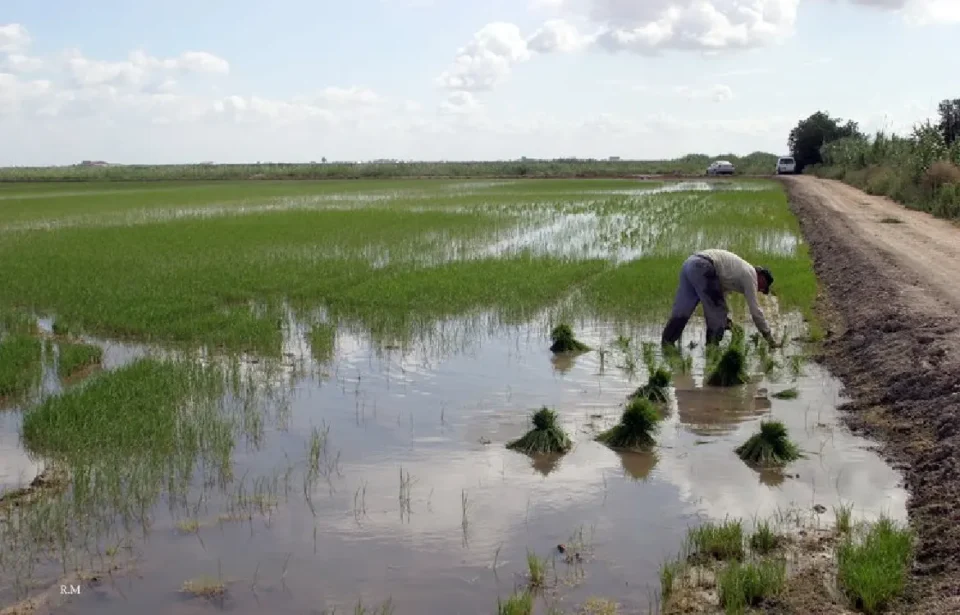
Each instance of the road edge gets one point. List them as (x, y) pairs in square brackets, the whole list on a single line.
[(891, 357)]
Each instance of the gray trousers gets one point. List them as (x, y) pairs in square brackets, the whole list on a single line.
[(699, 283)]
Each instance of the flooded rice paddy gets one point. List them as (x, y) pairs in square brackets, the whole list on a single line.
[(363, 458)]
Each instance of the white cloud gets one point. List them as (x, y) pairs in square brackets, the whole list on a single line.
[(13, 38), (139, 68), (557, 35), (19, 63), (919, 12), (460, 103), (487, 59)]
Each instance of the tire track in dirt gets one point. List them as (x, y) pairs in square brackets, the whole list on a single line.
[(890, 300)]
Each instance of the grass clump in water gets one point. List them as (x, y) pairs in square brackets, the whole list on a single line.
[(791, 393), (730, 367), (537, 567), (770, 447), (75, 357), (19, 365), (748, 585), (637, 427), (563, 340), (520, 603), (872, 572), (722, 541), (545, 437), (655, 389)]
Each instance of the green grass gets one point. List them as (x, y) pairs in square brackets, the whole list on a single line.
[(770, 447), (519, 603), (139, 408), (844, 515), (727, 367), (386, 257), (723, 541), (546, 436), (638, 425), (764, 539), (537, 569), (744, 585), (323, 338), (872, 569), (75, 357), (20, 357)]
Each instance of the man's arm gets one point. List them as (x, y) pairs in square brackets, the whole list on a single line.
[(750, 293)]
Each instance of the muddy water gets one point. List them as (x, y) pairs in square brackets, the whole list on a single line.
[(439, 416)]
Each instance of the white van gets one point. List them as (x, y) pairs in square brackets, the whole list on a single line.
[(786, 166)]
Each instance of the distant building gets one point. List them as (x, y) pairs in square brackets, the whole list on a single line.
[(93, 163), (614, 158)]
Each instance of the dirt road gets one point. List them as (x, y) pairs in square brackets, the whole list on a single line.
[(891, 304)]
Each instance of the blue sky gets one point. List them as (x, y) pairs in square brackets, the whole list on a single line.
[(293, 80)]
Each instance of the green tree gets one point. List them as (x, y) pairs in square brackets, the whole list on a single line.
[(814, 132), (950, 120)]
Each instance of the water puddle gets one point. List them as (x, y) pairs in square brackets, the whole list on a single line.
[(419, 501)]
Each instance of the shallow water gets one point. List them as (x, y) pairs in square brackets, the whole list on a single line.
[(442, 412)]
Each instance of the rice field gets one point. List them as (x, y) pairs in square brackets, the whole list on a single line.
[(300, 393)]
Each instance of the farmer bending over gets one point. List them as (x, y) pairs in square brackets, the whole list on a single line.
[(705, 278)]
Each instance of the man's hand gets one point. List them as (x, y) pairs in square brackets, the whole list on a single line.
[(771, 342), (729, 324)]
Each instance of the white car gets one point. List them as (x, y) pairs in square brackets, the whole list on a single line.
[(720, 167), (786, 166)]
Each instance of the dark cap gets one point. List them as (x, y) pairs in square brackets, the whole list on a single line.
[(767, 275)]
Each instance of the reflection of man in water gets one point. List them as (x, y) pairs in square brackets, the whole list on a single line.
[(705, 278)]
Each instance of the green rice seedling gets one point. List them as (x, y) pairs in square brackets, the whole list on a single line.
[(844, 517), (770, 447), (657, 386), (891, 220), (744, 585), (545, 437), (722, 541), (637, 427), (537, 569), (796, 365), (791, 393), (519, 603), (75, 357), (872, 571), (60, 328), (670, 571), (649, 356), (141, 407), (20, 362), (729, 368), (322, 342), (764, 539), (623, 343), (563, 340)]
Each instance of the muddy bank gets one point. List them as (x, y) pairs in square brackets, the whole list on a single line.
[(895, 344)]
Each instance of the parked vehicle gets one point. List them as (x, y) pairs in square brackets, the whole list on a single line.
[(721, 167), (786, 166)]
